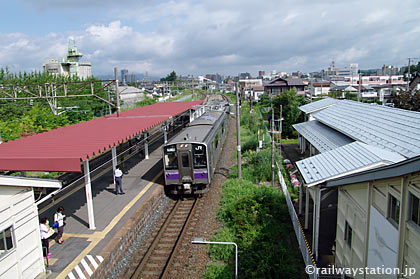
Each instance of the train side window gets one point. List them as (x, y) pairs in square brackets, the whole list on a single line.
[(185, 160)]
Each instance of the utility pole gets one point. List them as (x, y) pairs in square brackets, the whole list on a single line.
[(359, 95), (409, 74), (273, 173), (192, 87), (238, 132), (280, 124), (117, 93)]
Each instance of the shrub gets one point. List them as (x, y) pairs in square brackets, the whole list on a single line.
[(218, 271), (250, 144), (257, 219), (222, 252)]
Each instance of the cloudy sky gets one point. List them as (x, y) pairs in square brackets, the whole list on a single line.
[(209, 36)]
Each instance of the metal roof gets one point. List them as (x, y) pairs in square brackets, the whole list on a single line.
[(7, 180), (395, 170), (318, 105), (388, 128), (198, 129), (64, 148), (350, 158), (322, 137)]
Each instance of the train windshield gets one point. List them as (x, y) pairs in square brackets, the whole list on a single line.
[(199, 156), (171, 158)]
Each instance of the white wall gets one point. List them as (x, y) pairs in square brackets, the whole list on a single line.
[(18, 209)]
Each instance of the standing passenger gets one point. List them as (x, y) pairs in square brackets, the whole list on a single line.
[(59, 217), (118, 181), (44, 228)]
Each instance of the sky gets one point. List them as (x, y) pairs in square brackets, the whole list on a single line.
[(210, 36)]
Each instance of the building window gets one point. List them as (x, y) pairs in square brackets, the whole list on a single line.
[(394, 209), (348, 234), (6, 240), (414, 209)]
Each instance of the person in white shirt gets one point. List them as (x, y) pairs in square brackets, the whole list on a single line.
[(59, 217), (118, 181), (44, 228)]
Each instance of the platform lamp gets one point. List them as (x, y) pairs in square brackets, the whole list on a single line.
[(197, 240)]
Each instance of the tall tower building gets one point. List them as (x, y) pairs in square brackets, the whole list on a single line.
[(71, 65), (124, 74)]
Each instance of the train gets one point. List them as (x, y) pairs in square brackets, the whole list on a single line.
[(190, 157)]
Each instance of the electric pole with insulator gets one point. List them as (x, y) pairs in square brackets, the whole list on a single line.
[(117, 93), (238, 133), (273, 172)]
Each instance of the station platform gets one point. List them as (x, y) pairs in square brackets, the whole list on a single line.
[(82, 250)]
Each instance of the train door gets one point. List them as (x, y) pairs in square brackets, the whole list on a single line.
[(185, 167)]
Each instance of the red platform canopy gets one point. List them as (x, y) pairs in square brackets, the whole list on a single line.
[(63, 149)]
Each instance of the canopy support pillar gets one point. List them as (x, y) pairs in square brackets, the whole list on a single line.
[(300, 198), (114, 162), (306, 208), (316, 219), (165, 132), (89, 200), (146, 146)]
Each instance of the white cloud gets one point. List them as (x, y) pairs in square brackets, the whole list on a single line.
[(350, 55), (228, 37), (376, 16)]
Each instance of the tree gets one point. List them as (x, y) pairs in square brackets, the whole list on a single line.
[(171, 77), (291, 113), (406, 100), (414, 71)]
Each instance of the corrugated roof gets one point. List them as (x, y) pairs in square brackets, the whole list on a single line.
[(64, 148), (388, 128), (350, 158), (318, 105), (395, 170), (322, 137)]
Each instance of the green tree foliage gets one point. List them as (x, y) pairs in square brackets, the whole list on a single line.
[(170, 77), (290, 110), (146, 102), (414, 71), (335, 94), (23, 117), (406, 100)]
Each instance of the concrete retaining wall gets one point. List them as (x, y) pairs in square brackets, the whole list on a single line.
[(115, 250)]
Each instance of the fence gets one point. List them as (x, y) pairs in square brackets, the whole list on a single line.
[(303, 244)]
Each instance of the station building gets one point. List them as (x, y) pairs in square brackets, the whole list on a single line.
[(20, 241), (360, 183)]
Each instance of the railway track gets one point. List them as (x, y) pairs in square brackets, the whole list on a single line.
[(156, 260)]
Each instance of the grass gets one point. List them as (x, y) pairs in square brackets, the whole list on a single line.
[(290, 141), (255, 217)]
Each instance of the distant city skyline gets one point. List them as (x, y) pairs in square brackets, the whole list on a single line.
[(209, 37)]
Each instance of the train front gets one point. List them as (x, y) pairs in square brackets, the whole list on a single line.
[(186, 168)]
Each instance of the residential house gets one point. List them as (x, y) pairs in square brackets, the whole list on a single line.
[(318, 88), (279, 85)]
